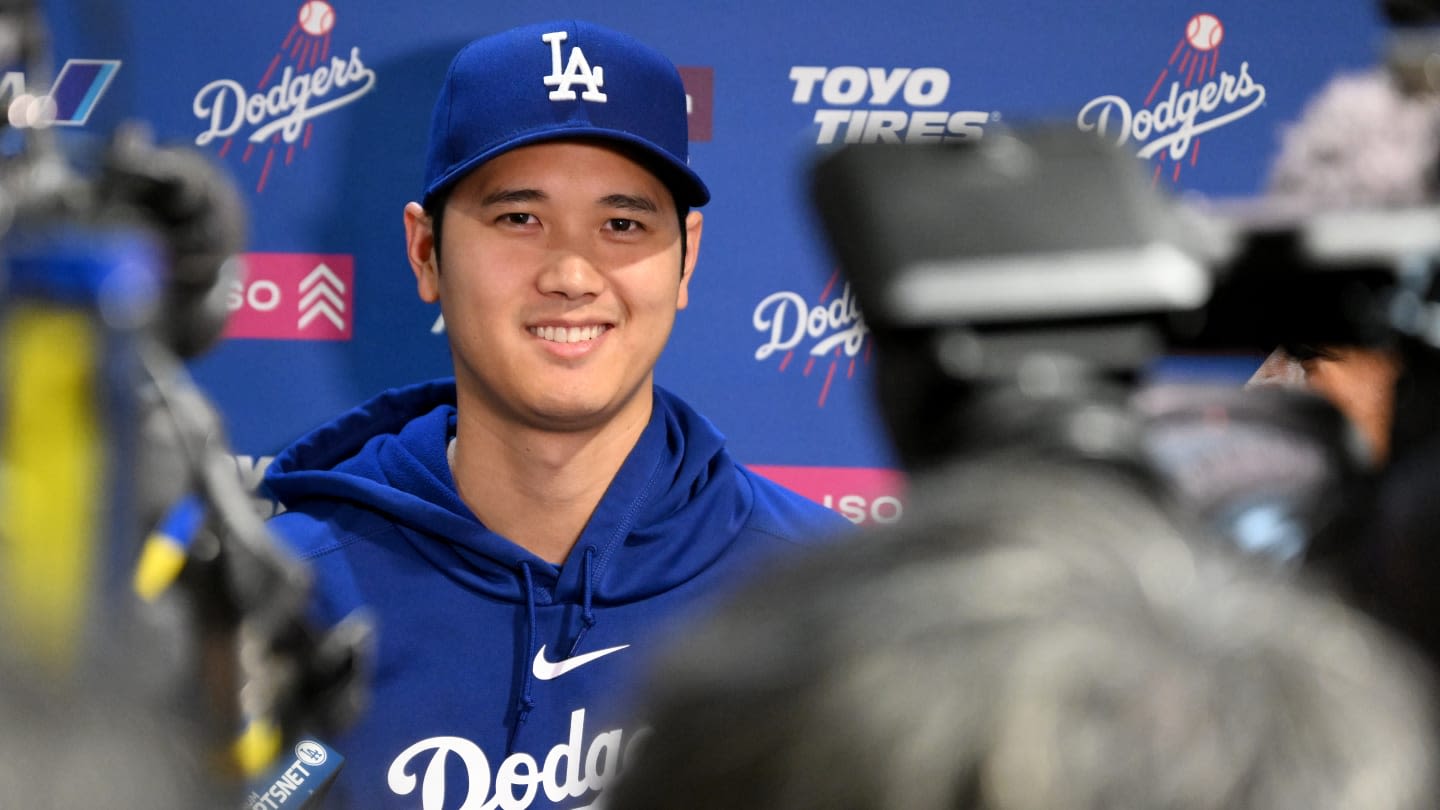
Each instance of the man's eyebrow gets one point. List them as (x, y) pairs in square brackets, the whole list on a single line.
[(513, 195), (629, 202)]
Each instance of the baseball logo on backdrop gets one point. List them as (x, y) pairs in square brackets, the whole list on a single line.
[(1204, 32), (1200, 97), (302, 81), (317, 18)]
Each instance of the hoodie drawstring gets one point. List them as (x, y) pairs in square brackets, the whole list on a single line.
[(587, 614), (525, 702)]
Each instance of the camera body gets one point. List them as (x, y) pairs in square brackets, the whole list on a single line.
[(1021, 288)]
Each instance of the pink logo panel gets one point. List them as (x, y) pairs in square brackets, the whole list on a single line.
[(293, 296), (865, 495), (700, 94)]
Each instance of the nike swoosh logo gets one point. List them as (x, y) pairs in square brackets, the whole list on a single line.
[(548, 670)]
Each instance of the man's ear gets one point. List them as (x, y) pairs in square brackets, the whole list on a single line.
[(420, 248), (694, 224)]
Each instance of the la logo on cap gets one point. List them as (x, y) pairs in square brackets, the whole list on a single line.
[(576, 70)]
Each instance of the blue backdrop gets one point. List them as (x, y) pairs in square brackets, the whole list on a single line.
[(320, 110)]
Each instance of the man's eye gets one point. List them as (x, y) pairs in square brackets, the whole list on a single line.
[(517, 218), (624, 225)]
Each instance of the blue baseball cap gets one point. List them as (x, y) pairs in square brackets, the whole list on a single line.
[(561, 80)]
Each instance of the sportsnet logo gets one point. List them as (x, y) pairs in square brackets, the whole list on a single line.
[(302, 82), (293, 296), (833, 330), (70, 100), (854, 98), (296, 782), (1198, 98)]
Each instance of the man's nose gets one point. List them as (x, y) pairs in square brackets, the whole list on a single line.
[(572, 274), (1279, 369)]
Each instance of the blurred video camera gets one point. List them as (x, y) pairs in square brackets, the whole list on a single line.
[(136, 577), (1020, 288)]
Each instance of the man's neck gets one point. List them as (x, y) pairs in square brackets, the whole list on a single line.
[(536, 487)]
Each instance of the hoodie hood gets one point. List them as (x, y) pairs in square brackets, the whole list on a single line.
[(388, 456)]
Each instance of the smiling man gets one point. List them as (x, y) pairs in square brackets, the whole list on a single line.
[(525, 533)]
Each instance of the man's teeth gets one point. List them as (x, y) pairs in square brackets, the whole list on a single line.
[(570, 334)]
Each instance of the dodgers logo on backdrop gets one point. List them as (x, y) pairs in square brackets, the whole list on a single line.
[(1200, 97), (70, 100), (303, 82), (833, 330), (856, 101)]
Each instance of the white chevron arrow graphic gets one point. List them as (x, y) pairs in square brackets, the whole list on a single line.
[(322, 291), (322, 308), (323, 297), (322, 272)]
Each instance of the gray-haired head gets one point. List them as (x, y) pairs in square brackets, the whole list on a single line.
[(1040, 637), (1360, 141)]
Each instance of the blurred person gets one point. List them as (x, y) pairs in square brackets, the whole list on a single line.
[(1035, 635), (69, 744), (64, 748), (1367, 142), (1361, 143), (520, 533), (1357, 380)]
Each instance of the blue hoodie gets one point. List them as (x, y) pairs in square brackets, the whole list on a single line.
[(498, 674)]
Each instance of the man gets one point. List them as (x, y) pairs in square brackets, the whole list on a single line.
[(1361, 143), (1036, 633), (1370, 141), (523, 534)]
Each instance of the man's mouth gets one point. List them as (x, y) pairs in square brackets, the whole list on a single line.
[(568, 334)]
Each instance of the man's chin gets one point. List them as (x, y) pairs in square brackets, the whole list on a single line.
[(578, 412)]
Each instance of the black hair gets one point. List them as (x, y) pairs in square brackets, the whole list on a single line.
[(436, 209)]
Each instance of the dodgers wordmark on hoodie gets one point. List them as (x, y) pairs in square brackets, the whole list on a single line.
[(500, 679)]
